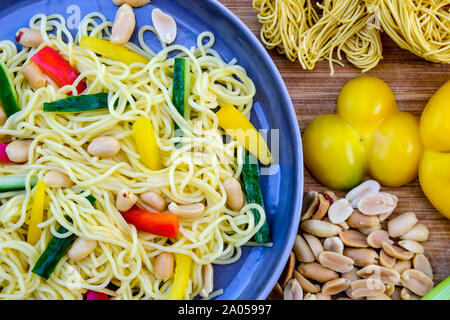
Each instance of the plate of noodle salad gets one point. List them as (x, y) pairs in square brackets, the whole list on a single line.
[(147, 151)]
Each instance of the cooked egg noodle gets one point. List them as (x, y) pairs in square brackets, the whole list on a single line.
[(192, 174)]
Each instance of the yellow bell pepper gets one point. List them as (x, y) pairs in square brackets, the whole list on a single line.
[(37, 213), (434, 170), (145, 138), (241, 129), (183, 265), (112, 51), (367, 135)]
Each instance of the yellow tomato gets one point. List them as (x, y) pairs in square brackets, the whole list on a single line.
[(364, 102), (434, 172), (434, 175), (367, 135), (333, 152), (396, 150), (435, 121)]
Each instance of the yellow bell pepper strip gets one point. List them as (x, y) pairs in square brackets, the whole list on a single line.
[(241, 129), (183, 265), (434, 170), (145, 138), (367, 135), (37, 214), (112, 51)]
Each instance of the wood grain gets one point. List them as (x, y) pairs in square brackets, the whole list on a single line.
[(413, 81)]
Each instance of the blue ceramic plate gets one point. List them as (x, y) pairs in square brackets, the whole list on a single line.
[(255, 274)]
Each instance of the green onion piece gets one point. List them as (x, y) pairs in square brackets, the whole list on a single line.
[(91, 199), (440, 292), (251, 181)]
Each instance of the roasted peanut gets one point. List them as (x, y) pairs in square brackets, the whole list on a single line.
[(154, 200), (383, 217), (293, 290), (416, 281), (56, 179), (310, 203), (368, 231), (18, 150), (357, 220), (387, 276), (367, 288), (351, 275), (333, 244), (349, 293), (365, 188), (339, 211), (314, 244), (316, 272), (377, 203), (320, 228), (336, 261), (402, 265), (190, 211), (81, 248), (401, 224), (335, 286), (104, 147), (353, 238), (344, 225), (29, 37), (331, 196), (411, 245), (133, 3), (125, 200), (302, 250), (288, 270), (418, 233), (421, 263), (306, 285), (324, 204), (208, 280), (406, 294), (382, 296), (386, 260), (165, 26), (34, 75), (361, 256), (397, 252), (164, 264), (235, 196), (309, 296), (322, 296), (376, 238), (124, 24)]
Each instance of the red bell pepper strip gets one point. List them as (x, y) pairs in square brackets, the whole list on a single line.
[(57, 68), (92, 295), (3, 154), (160, 224)]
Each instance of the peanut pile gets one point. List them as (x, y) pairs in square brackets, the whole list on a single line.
[(348, 249)]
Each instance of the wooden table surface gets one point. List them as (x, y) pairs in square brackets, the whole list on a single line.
[(413, 81)]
